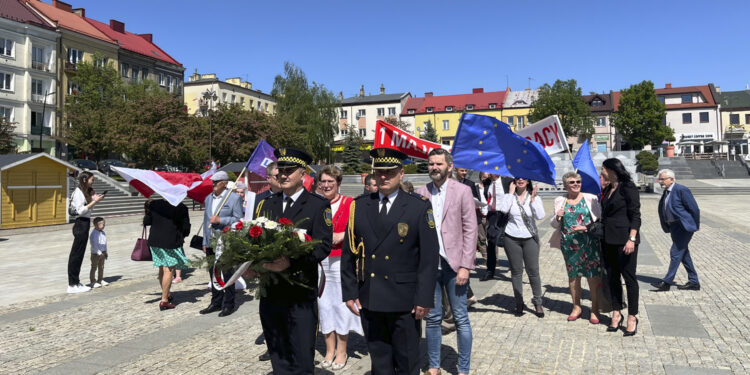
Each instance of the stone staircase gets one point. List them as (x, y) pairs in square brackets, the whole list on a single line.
[(733, 168), (680, 167)]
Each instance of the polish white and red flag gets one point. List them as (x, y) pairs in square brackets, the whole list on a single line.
[(172, 186)]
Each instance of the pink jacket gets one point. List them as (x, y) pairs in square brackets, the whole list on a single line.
[(592, 202), (459, 226)]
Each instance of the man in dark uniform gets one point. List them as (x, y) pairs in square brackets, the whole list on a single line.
[(389, 266), (289, 313)]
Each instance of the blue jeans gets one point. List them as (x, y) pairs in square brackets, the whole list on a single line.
[(457, 298), (679, 253)]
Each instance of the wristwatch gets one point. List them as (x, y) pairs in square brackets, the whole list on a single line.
[(632, 239)]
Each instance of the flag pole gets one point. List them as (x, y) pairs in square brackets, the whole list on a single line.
[(230, 192)]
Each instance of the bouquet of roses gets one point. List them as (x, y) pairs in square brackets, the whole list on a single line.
[(249, 244)]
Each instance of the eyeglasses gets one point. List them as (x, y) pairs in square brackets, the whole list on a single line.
[(216, 182), (576, 182), (327, 182), (273, 177), (663, 179)]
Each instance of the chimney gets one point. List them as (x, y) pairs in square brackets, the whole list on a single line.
[(382, 89), (668, 86), (718, 90), (341, 95), (62, 6), (117, 26), (149, 37), (477, 91), (362, 91), (80, 11), (428, 94), (195, 76)]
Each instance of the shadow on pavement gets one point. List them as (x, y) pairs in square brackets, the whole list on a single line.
[(112, 279), (356, 348), (507, 304), (190, 296)]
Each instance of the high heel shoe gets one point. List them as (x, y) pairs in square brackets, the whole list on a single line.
[(166, 306), (615, 328), (632, 333), (572, 318)]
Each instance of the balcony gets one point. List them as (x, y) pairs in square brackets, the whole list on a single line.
[(39, 99), (45, 130), (40, 66), (70, 67)]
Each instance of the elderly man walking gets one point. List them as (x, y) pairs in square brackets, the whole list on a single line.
[(456, 226), (680, 217)]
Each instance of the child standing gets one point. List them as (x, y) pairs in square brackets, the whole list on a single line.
[(98, 241)]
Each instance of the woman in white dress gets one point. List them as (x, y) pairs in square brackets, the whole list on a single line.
[(336, 321)]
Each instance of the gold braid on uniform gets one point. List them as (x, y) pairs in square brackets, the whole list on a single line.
[(257, 210), (355, 249)]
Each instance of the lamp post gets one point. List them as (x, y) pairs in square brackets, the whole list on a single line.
[(209, 94)]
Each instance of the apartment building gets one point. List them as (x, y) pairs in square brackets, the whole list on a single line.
[(735, 118), (693, 114), (204, 92), (363, 112)]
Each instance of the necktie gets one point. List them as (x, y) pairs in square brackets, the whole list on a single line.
[(289, 202), (384, 208), (493, 197)]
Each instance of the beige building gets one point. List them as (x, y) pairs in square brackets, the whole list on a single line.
[(206, 91), (364, 111)]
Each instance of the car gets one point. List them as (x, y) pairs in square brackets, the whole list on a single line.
[(84, 164), (105, 165)]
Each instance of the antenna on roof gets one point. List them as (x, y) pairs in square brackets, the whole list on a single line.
[(507, 83), (530, 79)]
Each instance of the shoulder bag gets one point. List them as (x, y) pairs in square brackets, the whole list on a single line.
[(526, 220), (196, 242), (141, 251)]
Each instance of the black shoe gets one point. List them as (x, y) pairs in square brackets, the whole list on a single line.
[(226, 312), (519, 309), (538, 310), (661, 286), (689, 286), (209, 310), (632, 333), (265, 356), (614, 329), (487, 276)]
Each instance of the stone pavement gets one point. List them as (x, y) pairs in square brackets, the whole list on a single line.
[(118, 329)]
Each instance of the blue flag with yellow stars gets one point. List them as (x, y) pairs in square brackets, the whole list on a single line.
[(590, 182), (487, 144)]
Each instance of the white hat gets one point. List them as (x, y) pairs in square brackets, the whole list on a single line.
[(220, 176)]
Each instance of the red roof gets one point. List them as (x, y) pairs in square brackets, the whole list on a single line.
[(704, 90), (616, 96), (480, 100), (66, 19), (16, 11), (132, 42)]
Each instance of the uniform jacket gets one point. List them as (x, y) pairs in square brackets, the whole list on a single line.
[(394, 269), (684, 209), (459, 226), (230, 213), (592, 203), (621, 213), (313, 214)]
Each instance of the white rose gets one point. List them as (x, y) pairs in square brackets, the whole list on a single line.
[(261, 220), (271, 225), (301, 236)]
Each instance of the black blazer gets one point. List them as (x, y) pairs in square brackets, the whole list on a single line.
[(396, 267), (471, 185), (169, 224), (312, 213), (621, 213)]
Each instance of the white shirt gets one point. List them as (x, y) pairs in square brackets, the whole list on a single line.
[(516, 227), (438, 202), (484, 210), (98, 240), (78, 202), (294, 197), (217, 201), (391, 198), (496, 192)]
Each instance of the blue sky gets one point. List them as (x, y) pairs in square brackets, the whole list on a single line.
[(450, 47)]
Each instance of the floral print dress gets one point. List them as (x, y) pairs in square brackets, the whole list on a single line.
[(580, 250)]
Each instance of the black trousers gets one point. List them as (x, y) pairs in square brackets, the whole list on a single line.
[(393, 342), (78, 250), (221, 298), (290, 331), (619, 264), (491, 246)]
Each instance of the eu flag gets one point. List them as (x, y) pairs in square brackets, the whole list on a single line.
[(487, 144), (590, 182)]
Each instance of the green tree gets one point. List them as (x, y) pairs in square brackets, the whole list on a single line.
[(7, 144), (639, 118), (564, 99), (310, 105), (429, 133), (352, 153), (395, 121)]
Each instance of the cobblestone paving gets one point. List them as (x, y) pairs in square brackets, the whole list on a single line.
[(119, 329)]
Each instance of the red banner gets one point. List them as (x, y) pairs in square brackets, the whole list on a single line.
[(389, 136)]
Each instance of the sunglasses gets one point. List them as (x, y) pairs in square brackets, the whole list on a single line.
[(576, 182)]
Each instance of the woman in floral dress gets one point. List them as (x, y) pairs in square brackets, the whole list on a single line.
[(581, 251)]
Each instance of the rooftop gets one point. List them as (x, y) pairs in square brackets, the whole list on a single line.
[(478, 99), (734, 100), (703, 90), (15, 10), (606, 99), (380, 98), (520, 99), (63, 15), (138, 43)]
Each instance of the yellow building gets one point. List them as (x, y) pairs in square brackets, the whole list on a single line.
[(444, 112), (735, 119), (229, 91), (517, 107)]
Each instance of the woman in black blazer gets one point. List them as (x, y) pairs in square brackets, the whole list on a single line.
[(621, 217)]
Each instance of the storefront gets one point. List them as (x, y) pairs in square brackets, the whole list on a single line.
[(696, 143)]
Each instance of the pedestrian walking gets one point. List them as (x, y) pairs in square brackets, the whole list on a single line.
[(81, 203), (99, 253)]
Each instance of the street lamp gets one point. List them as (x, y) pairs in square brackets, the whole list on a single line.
[(209, 94)]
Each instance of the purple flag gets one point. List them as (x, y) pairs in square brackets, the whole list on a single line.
[(261, 157)]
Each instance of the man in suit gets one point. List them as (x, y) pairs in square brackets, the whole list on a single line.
[(461, 177), (272, 175), (496, 189), (680, 217), (289, 312), (371, 186), (456, 225), (389, 266), (220, 211)]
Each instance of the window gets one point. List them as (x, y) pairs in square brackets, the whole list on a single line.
[(74, 56), (510, 120), (101, 62), (37, 58), (144, 74), (362, 132), (411, 111), (136, 74), (360, 113), (381, 112), (36, 90), (391, 111), (344, 114), (242, 101), (446, 142), (125, 69), (260, 105), (343, 132), (7, 113), (687, 98), (429, 109), (601, 146), (493, 105), (469, 107), (170, 85), (449, 108), (734, 119), (601, 121), (687, 118), (36, 119), (233, 98), (6, 47), (6, 81), (224, 98), (597, 103), (661, 99), (747, 119), (265, 107), (703, 117), (162, 80), (446, 125), (520, 121), (426, 123), (72, 88)]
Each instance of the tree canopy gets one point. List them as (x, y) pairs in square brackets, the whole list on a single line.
[(429, 133), (7, 144), (640, 117), (564, 99)]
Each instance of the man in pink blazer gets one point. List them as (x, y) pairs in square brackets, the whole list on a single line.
[(455, 220)]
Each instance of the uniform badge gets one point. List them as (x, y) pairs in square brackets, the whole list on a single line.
[(328, 216), (381, 152), (282, 151), (430, 219), (403, 230)]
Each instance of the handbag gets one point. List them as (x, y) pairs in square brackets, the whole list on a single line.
[(196, 242), (141, 251), (595, 229)]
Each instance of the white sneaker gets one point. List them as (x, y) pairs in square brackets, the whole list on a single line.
[(72, 289), (83, 288), (104, 283), (96, 285)]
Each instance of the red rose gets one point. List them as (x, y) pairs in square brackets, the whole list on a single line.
[(239, 225), (255, 231), (226, 229), (284, 221), (307, 238)]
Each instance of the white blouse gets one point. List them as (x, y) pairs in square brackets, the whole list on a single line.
[(78, 202), (516, 227)]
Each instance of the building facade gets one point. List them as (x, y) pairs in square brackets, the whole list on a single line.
[(517, 107), (693, 114), (28, 50), (735, 119), (363, 111), (605, 137), (444, 112), (204, 92)]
